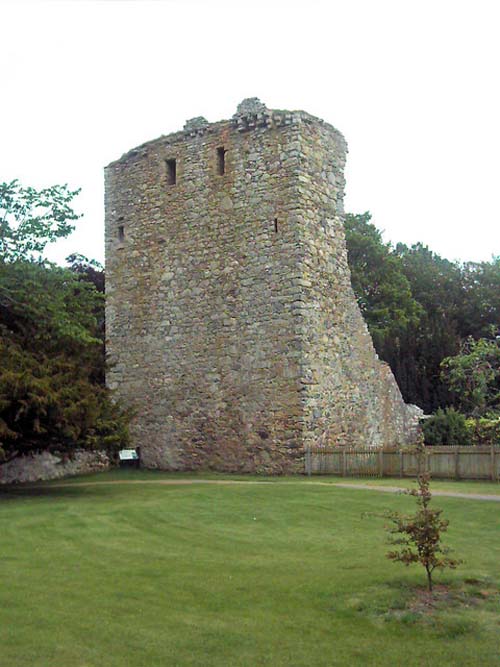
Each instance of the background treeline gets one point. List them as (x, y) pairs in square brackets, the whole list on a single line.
[(436, 322), (52, 392)]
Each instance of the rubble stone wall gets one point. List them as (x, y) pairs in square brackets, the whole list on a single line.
[(232, 327), (350, 397), (46, 466)]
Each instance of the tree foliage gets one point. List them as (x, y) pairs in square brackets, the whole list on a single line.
[(436, 285), (382, 289), (52, 393), (479, 310), (474, 376), (47, 402), (87, 269), (447, 427), (31, 218)]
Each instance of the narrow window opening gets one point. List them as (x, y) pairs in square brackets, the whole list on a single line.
[(121, 232), (171, 172), (221, 161), (275, 225)]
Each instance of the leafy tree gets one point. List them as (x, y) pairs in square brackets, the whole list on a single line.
[(48, 308), (47, 304), (474, 376), (87, 269), (484, 431), (446, 427), (378, 280), (48, 403), (480, 303), (30, 219), (91, 272), (52, 393), (436, 285), (418, 536)]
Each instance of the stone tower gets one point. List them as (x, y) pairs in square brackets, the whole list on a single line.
[(232, 326)]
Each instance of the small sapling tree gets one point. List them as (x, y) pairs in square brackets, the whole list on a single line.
[(418, 536)]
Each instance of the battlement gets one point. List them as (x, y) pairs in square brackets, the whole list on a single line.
[(251, 114)]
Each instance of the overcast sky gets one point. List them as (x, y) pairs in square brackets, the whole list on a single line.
[(412, 85)]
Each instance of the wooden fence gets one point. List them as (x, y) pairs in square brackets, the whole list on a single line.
[(443, 462)]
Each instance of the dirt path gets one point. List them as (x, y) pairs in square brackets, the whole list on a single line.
[(396, 489), (225, 482)]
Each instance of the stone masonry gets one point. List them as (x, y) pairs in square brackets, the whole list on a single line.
[(46, 465), (232, 326)]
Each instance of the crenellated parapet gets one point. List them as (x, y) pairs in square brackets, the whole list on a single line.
[(251, 114)]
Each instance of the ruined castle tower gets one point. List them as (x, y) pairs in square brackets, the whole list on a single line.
[(232, 326)]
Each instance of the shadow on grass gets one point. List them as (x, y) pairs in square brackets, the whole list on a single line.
[(30, 491)]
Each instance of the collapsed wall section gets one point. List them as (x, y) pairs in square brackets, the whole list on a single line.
[(350, 396)]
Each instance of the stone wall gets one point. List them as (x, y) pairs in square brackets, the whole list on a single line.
[(46, 466), (231, 324), (350, 397)]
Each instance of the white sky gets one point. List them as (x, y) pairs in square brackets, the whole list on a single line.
[(413, 86)]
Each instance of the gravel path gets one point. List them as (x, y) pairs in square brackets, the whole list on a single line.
[(396, 489)]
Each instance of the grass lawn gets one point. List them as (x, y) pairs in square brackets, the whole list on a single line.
[(278, 574), (126, 474)]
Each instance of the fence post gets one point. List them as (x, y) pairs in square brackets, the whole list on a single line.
[(344, 463), (457, 469), (493, 469), (401, 464), (380, 462)]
